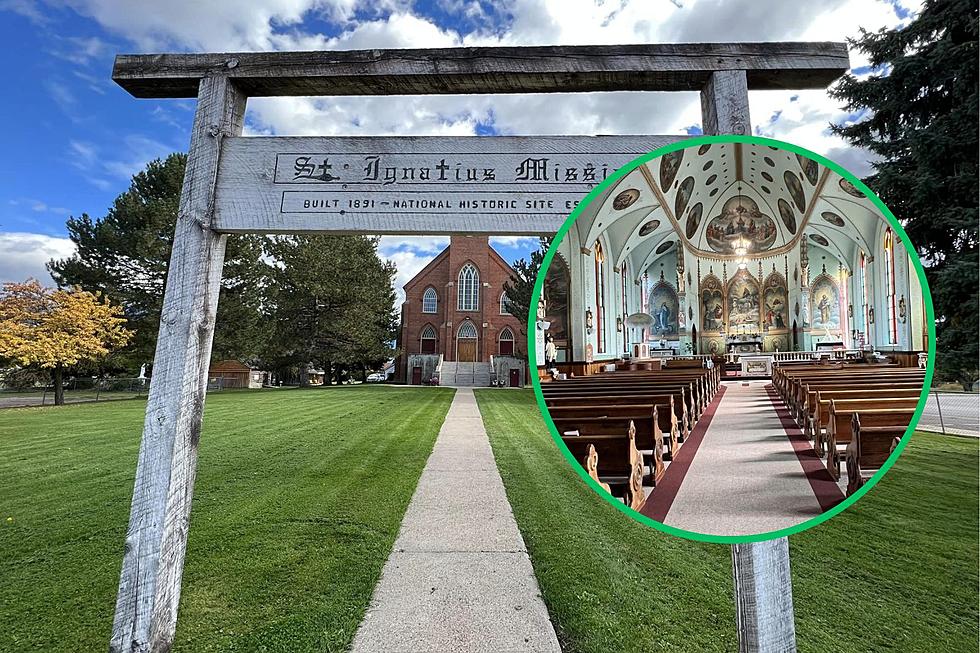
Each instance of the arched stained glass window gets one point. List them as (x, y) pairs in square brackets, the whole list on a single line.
[(506, 342), (466, 330), (503, 304), (626, 307), (430, 301), (428, 340), (468, 292), (890, 285), (600, 294)]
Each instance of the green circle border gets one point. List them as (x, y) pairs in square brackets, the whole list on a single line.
[(889, 218)]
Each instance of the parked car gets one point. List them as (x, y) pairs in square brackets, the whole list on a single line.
[(376, 377)]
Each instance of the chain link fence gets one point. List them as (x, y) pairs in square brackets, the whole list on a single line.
[(77, 390), (951, 413)]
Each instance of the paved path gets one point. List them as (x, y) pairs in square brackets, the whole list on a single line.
[(745, 477), (459, 577)]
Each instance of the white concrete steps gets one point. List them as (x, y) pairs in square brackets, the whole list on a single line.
[(465, 375)]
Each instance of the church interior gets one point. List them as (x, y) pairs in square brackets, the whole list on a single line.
[(731, 338)]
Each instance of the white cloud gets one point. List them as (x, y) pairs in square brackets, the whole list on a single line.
[(24, 255)]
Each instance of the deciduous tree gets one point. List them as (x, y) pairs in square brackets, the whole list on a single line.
[(56, 330)]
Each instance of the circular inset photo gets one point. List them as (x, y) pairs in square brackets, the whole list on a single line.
[(719, 372)]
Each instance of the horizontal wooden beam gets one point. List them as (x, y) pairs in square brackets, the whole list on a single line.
[(545, 69), (505, 185)]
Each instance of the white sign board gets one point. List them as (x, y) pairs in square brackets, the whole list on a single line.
[(398, 185)]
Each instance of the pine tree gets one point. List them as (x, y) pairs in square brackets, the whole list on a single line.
[(520, 287), (918, 113)]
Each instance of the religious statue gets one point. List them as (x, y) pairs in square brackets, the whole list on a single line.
[(542, 312)]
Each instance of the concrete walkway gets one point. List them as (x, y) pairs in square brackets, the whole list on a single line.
[(745, 478), (459, 577)]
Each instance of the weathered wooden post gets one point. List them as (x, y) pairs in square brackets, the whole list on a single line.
[(153, 562), (255, 198), (761, 572)]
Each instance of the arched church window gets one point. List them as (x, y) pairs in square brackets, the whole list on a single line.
[(430, 301), (428, 340), (626, 306), (890, 285), (600, 294), (469, 289), (503, 304), (466, 330), (506, 342)]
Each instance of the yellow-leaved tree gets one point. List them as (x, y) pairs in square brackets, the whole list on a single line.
[(53, 330)]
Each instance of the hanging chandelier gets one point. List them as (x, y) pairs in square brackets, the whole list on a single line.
[(741, 244)]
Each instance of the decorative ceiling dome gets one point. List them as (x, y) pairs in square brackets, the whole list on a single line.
[(709, 197)]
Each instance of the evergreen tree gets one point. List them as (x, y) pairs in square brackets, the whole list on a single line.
[(125, 255), (520, 287), (332, 300), (919, 114)]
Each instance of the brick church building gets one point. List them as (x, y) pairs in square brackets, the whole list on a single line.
[(455, 307)]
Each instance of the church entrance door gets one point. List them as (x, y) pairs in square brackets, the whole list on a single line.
[(466, 350)]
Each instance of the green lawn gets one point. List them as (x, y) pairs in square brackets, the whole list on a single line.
[(898, 571), (298, 500)]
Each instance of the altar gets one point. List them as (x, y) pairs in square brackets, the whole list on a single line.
[(744, 344), (756, 364)]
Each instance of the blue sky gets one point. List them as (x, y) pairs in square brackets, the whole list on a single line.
[(74, 138)]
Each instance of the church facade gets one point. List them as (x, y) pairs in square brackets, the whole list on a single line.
[(455, 307)]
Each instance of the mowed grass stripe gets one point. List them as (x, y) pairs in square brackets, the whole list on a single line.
[(610, 583), (299, 497), (897, 571)]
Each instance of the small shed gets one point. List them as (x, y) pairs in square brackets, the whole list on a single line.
[(234, 374)]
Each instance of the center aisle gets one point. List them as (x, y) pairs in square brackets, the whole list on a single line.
[(459, 577), (745, 477)]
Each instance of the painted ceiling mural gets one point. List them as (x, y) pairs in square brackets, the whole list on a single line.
[(649, 227), (786, 215), (850, 188), (833, 218), (795, 189), (683, 196), (740, 216), (670, 163), (626, 199), (809, 168), (693, 220)]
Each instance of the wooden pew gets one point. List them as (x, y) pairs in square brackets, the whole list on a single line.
[(868, 450), (814, 418), (666, 421), (592, 468), (670, 421), (874, 412), (618, 462), (645, 428), (682, 394), (816, 423)]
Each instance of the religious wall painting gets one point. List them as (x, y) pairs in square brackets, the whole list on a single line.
[(833, 218), (663, 306), (625, 199), (556, 289), (825, 299), (809, 168), (775, 302), (670, 163), (775, 343), (712, 304), (714, 346), (649, 227), (683, 196), (743, 301), (795, 190), (820, 240), (850, 188), (693, 220), (787, 215), (664, 246), (740, 217), (704, 149)]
